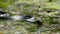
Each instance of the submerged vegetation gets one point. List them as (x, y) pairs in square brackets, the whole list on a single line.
[(29, 17)]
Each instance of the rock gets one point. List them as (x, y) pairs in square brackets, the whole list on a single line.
[(57, 18), (41, 13)]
